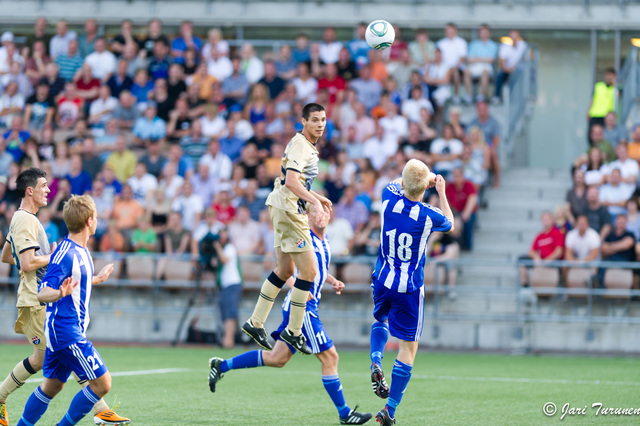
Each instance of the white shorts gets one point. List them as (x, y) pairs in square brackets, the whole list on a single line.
[(476, 69)]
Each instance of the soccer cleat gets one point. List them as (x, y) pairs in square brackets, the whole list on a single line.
[(214, 372), (355, 418), (4, 417), (109, 417), (384, 418), (298, 342), (378, 382), (257, 334)]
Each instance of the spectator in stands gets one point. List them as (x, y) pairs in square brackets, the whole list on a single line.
[(482, 56), (87, 87), (112, 240), (125, 37), (143, 184), (358, 47), (204, 184), (225, 210), (104, 207), (330, 47), (445, 246), (101, 109), (36, 64), (55, 82), (149, 127), (367, 240), (614, 194), (127, 212), (367, 89), (136, 59), (189, 205), (50, 228), (39, 109), (617, 246), (25, 88), (39, 34), (176, 238), (209, 226), (306, 86), (87, 40), (463, 199), (377, 150), (244, 232), (603, 99), (576, 198), (547, 246), (599, 217), (142, 87), (70, 61), (154, 34), (454, 56), (231, 145), (355, 211), (144, 238), (186, 40), (272, 80), (120, 81), (402, 70), (476, 159), (628, 168), (446, 152), (236, 86), (411, 107), (597, 140), (126, 112), (91, 161), (509, 56), (214, 41), (422, 49), (491, 130), (633, 218), (122, 161), (219, 65), (252, 65), (183, 163), (70, 107), (11, 104), (79, 180), (340, 233), (346, 66), (112, 186), (592, 163), (60, 42), (582, 243), (634, 143), (101, 61), (219, 164), (613, 131), (438, 77), (160, 61), (175, 82)]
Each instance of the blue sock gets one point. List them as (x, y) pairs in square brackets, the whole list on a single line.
[(334, 389), (246, 360), (80, 406), (35, 407), (379, 337), (399, 380)]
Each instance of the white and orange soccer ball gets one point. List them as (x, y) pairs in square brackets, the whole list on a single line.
[(380, 34)]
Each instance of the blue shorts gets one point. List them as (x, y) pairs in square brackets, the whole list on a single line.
[(80, 358), (405, 311), (229, 301), (313, 330)]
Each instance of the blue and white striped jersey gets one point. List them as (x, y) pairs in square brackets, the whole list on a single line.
[(323, 257), (68, 318), (406, 226)]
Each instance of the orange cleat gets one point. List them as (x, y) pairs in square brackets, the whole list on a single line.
[(4, 417), (109, 417)]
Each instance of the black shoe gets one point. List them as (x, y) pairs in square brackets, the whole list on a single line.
[(378, 382), (257, 334), (384, 418), (299, 342), (355, 418), (214, 372)]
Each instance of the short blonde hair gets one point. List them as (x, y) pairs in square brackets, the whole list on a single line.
[(76, 211), (415, 178)]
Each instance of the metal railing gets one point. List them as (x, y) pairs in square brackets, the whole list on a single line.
[(630, 82)]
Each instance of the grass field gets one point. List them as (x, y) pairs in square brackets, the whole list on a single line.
[(464, 389)]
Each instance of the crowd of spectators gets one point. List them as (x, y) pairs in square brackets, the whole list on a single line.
[(179, 136)]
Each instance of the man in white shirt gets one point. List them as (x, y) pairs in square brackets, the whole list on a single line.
[(244, 232), (378, 149), (251, 65), (509, 56), (219, 65), (102, 62), (583, 242), (101, 108), (454, 55), (629, 168), (142, 184), (330, 48), (60, 42), (189, 205), (614, 195), (396, 127), (218, 163)]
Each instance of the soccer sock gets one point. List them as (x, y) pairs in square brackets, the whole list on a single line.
[(299, 296), (268, 292), (35, 407), (334, 389), (246, 360), (379, 337), (399, 380), (100, 405), (80, 407), (20, 373)]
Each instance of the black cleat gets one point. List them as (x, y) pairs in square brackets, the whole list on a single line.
[(299, 342), (378, 382), (384, 418), (355, 418), (257, 334), (214, 372)]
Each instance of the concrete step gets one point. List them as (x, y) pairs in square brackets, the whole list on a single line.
[(524, 203), (504, 236), (534, 193), (487, 224)]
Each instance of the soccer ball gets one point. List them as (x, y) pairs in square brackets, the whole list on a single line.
[(380, 34)]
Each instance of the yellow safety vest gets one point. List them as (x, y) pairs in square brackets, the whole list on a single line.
[(603, 100)]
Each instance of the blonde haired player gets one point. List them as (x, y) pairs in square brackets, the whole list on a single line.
[(28, 248), (397, 281), (287, 205)]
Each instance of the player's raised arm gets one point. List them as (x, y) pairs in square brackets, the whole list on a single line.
[(103, 275), (444, 203), (50, 295)]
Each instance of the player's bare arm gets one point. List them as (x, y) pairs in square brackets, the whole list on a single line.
[(103, 275), (292, 182), (335, 283), (326, 203), (30, 262), (444, 203), (50, 295), (7, 257)]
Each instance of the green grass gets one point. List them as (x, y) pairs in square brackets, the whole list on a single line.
[(445, 389)]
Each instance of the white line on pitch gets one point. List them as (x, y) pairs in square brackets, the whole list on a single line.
[(135, 373)]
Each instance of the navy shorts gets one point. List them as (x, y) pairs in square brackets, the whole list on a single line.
[(313, 330), (80, 358), (229, 301), (405, 311)]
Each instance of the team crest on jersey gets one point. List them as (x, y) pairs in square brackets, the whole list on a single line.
[(35, 340), (301, 243)]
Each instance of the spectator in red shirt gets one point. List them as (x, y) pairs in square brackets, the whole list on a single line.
[(548, 245), (463, 200), (225, 212), (334, 84)]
